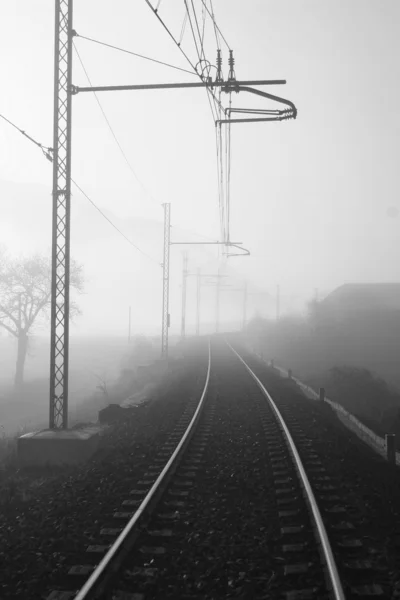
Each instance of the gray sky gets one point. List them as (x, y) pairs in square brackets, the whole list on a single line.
[(309, 198)]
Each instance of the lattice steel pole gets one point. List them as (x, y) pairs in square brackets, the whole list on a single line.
[(165, 310), (61, 216)]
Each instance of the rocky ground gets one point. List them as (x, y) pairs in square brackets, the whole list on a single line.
[(47, 515)]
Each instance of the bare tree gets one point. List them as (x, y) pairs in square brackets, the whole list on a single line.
[(25, 295)]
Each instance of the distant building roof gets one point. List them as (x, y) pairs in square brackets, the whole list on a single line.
[(363, 296)]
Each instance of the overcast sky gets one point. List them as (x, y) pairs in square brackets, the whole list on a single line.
[(312, 199)]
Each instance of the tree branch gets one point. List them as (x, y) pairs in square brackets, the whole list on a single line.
[(14, 333), (9, 315), (25, 290)]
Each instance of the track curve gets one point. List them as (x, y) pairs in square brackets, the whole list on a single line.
[(322, 537), (235, 509)]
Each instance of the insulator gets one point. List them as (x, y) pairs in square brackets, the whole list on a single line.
[(219, 66), (231, 63)]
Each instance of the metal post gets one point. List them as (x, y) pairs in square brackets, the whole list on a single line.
[(184, 284), (322, 394), (129, 327), (244, 306), (165, 307), (198, 302), (390, 439), (289, 373), (59, 341)]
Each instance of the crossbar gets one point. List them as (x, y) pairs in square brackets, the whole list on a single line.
[(229, 85)]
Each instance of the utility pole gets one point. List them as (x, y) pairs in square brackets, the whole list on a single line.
[(277, 302), (184, 284), (165, 301), (129, 327), (198, 291), (60, 261)]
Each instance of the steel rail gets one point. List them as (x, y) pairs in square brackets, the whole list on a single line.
[(334, 579), (100, 578)]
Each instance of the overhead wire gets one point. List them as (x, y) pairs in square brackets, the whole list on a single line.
[(198, 31), (203, 16), (219, 137), (215, 103), (212, 15), (223, 187), (113, 133), (49, 157), (160, 62), (183, 32), (202, 57), (176, 42), (228, 177), (113, 224), (115, 137), (228, 152), (220, 164), (170, 34), (193, 33), (217, 33), (45, 149), (215, 26), (215, 108), (223, 163)]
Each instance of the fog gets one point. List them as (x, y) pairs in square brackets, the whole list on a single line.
[(315, 200)]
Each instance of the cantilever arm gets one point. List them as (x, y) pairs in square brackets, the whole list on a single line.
[(283, 116), (280, 115), (244, 253), (244, 88)]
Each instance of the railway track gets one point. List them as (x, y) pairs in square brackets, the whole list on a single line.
[(238, 504)]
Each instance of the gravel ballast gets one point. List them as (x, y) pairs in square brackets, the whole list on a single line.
[(227, 539), (59, 513)]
